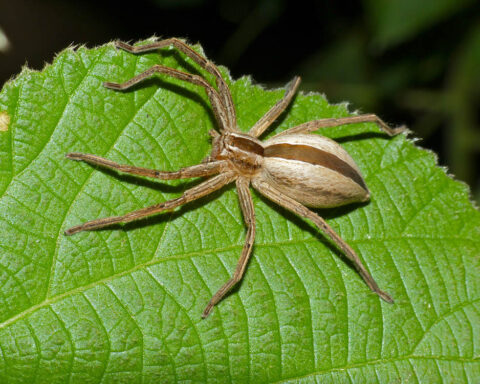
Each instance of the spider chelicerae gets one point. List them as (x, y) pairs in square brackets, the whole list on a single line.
[(294, 169)]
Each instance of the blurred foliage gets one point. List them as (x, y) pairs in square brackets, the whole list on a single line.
[(4, 43), (395, 21)]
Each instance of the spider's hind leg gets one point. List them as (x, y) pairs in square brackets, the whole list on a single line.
[(302, 211), (246, 204)]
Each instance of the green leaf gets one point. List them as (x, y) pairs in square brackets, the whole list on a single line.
[(124, 304)]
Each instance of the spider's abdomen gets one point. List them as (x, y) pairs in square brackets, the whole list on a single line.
[(313, 170)]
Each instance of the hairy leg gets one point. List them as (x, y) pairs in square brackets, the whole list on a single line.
[(217, 105), (200, 60), (299, 209), (246, 204), (191, 194), (334, 122), (199, 170), (267, 119)]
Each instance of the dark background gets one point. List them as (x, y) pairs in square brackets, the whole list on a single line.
[(409, 61)]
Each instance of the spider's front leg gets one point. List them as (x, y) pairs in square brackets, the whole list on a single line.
[(219, 109), (267, 119), (199, 59)]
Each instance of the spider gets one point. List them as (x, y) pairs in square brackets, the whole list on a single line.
[(294, 169)]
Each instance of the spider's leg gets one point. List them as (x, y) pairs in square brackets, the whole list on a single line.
[(200, 60), (267, 119), (313, 125), (191, 194), (249, 216), (299, 209), (219, 109), (199, 170)]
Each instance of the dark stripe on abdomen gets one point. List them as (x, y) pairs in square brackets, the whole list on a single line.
[(315, 156)]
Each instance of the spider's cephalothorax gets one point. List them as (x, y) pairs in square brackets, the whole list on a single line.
[(242, 151), (294, 169)]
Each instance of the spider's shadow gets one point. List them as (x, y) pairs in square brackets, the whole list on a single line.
[(361, 136)]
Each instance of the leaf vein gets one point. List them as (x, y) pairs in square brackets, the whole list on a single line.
[(82, 186), (194, 326)]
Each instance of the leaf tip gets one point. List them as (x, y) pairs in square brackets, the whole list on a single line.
[(401, 129)]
